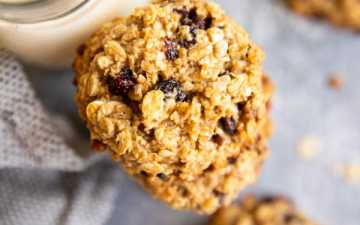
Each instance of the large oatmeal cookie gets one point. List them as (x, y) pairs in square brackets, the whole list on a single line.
[(177, 95), (273, 210), (345, 13)]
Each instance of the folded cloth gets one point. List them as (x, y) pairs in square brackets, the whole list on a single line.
[(43, 179)]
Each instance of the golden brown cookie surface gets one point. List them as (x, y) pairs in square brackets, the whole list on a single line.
[(344, 13), (272, 210), (177, 94)]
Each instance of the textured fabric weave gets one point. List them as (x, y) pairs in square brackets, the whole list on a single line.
[(43, 180)]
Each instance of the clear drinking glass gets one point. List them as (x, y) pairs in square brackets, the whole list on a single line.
[(47, 33)]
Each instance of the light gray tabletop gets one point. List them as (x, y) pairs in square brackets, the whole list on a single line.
[(300, 55)]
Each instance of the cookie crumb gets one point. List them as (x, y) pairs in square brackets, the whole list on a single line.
[(335, 81), (308, 147), (349, 171)]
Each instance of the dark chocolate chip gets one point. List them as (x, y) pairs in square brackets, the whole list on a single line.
[(172, 88), (171, 50), (229, 125), (122, 83)]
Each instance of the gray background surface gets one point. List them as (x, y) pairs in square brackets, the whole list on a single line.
[(300, 55)]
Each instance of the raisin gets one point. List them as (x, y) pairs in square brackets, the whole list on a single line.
[(161, 176), (289, 218), (191, 18), (193, 31), (81, 49), (223, 74), (217, 139), (149, 135), (220, 195), (134, 105), (186, 43), (210, 168), (272, 199), (229, 125), (183, 12), (172, 88), (188, 17), (232, 160), (241, 106), (171, 50), (205, 23), (75, 82), (144, 173), (189, 43), (122, 83), (97, 145), (184, 191)]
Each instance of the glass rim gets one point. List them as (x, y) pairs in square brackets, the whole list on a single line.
[(38, 11)]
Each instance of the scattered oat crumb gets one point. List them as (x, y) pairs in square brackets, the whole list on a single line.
[(335, 81), (350, 172), (308, 147)]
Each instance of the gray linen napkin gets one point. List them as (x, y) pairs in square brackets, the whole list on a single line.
[(43, 180)]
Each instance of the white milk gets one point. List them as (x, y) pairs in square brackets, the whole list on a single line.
[(53, 44)]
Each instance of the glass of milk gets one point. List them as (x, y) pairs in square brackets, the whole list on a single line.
[(46, 33)]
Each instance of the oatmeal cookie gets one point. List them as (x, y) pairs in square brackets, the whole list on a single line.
[(345, 13), (266, 211), (177, 94)]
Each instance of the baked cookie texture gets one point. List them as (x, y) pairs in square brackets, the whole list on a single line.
[(177, 95), (344, 13), (273, 210)]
